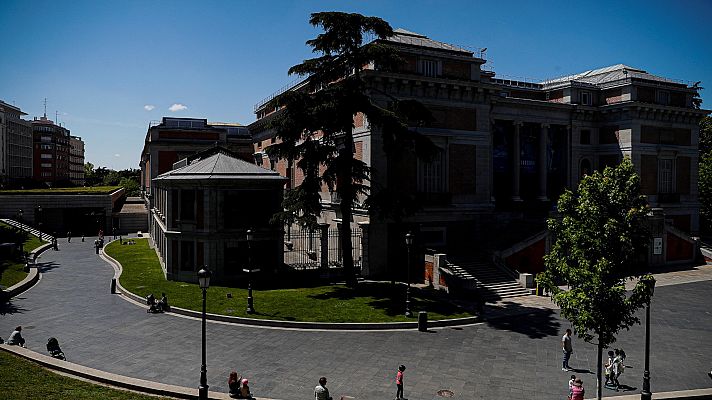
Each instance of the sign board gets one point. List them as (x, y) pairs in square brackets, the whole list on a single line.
[(657, 246)]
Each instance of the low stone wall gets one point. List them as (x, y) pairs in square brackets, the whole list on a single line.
[(32, 277), (346, 326)]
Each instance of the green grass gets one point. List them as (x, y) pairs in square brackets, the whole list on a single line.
[(369, 302), (74, 190), (24, 380), (11, 271)]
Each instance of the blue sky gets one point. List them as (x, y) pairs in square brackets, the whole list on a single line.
[(100, 63)]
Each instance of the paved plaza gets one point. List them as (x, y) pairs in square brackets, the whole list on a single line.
[(515, 355)]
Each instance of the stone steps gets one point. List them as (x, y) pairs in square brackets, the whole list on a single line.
[(493, 283)]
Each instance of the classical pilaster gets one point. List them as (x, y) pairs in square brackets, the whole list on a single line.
[(516, 163), (542, 161)]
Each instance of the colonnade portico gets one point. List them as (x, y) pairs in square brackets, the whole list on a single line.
[(541, 146)]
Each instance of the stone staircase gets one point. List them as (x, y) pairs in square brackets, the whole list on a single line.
[(492, 283), (27, 228)]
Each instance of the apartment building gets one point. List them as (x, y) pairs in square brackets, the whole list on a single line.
[(51, 151), (76, 160), (15, 145), (509, 148)]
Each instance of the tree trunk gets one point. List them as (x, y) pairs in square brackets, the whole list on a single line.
[(345, 189), (599, 364)]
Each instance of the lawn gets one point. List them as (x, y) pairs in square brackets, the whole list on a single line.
[(73, 190), (369, 302), (23, 380), (11, 271)]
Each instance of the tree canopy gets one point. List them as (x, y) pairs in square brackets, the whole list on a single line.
[(705, 170), (597, 237), (314, 124)]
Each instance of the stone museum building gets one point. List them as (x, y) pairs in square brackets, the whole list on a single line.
[(173, 139), (201, 210), (509, 148)]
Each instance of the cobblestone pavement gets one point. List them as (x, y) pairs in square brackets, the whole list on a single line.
[(515, 356)]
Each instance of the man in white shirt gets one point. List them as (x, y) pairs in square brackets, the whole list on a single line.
[(567, 348), (320, 391)]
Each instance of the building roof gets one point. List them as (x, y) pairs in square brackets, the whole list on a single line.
[(409, 38), (218, 163), (608, 74)]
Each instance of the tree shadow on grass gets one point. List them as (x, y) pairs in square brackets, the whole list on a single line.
[(534, 322), (391, 299)]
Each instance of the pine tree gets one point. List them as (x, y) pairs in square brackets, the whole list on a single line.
[(314, 122)]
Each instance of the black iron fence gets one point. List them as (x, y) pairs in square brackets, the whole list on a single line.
[(306, 249)]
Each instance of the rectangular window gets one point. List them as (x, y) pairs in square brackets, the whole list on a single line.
[(431, 175), (46, 138), (665, 183), (45, 155), (187, 205), (429, 68), (585, 137), (586, 98), (46, 165), (663, 97), (187, 255)]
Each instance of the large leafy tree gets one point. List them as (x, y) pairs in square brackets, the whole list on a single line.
[(597, 236), (314, 122), (705, 170)]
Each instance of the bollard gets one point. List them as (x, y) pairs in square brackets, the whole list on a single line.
[(113, 285), (423, 321)]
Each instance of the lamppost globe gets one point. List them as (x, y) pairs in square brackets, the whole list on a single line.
[(250, 235), (204, 278), (409, 239)]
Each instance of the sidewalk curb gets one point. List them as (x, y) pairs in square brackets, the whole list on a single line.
[(32, 277), (346, 326), (691, 394), (107, 378)]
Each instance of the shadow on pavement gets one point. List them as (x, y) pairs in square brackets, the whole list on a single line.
[(582, 371), (533, 322), (46, 267), (10, 308)]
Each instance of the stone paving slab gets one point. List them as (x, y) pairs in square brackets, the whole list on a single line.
[(506, 357)]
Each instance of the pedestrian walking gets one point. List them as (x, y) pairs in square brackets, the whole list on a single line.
[(399, 382), (82, 238), (69, 237), (96, 245), (609, 368), (567, 349), (320, 391), (571, 385)]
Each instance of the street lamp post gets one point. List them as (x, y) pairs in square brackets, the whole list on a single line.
[(39, 220), (409, 244), (204, 283), (250, 304), (22, 229), (645, 394)]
